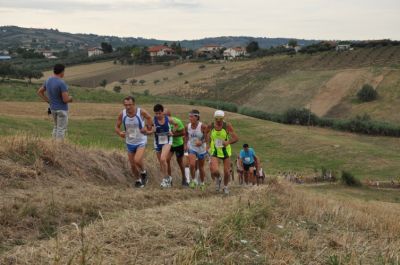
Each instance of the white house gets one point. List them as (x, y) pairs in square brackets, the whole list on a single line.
[(210, 48), (232, 53), (343, 47), (95, 51), (47, 54), (160, 50)]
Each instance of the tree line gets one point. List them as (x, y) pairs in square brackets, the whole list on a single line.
[(8, 70)]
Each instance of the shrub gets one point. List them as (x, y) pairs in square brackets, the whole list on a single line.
[(142, 82), (122, 81), (117, 89), (186, 82), (146, 92), (180, 73), (299, 116), (367, 93), (202, 66), (103, 83), (133, 81), (156, 81), (165, 78), (350, 180)]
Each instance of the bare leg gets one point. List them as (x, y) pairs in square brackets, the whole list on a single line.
[(201, 169), (227, 169)]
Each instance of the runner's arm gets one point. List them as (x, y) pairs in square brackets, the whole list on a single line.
[(42, 95), (186, 138), (234, 138), (66, 97), (204, 128), (208, 137), (118, 126), (149, 123)]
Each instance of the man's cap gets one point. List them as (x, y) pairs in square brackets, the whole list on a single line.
[(219, 114), (194, 112)]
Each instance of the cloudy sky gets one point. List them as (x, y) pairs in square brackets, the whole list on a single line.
[(193, 19)]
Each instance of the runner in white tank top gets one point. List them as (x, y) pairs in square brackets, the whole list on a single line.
[(137, 123), (195, 144)]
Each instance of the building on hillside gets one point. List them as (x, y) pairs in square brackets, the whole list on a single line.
[(160, 50), (95, 51), (232, 53), (5, 57), (210, 51), (343, 47), (296, 48), (47, 54), (4, 52)]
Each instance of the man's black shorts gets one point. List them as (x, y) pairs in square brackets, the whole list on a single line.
[(247, 167), (178, 150)]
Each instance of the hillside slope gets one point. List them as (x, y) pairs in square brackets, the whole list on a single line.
[(58, 214), (327, 82)]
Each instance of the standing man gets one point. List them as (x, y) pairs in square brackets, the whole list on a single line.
[(249, 162), (196, 145), (220, 137), (135, 134), (177, 147), (58, 98)]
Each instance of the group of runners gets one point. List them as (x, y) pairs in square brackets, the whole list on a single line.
[(196, 141)]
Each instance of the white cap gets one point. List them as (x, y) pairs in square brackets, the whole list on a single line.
[(219, 113)]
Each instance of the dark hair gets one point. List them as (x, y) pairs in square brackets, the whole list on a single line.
[(158, 107), (58, 69), (245, 145), (196, 113), (130, 98)]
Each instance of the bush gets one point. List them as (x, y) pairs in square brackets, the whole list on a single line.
[(349, 180), (367, 93), (300, 116), (142, 82), (165, 78), (156, 81), (146, 92), (202, 66), (186, 82), (117, 89), (103, 83), (180, 73)]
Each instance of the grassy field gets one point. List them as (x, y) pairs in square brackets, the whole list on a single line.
[(73, 203), (281, 147), (90, 75)]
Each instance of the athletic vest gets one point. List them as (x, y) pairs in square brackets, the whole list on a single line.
[(194, 135), (132, 126), (217, 137), (161, 134)]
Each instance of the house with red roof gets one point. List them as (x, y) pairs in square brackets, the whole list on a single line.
[(160, 50)]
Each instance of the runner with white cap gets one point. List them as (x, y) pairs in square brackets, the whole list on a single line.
[(220, 137)]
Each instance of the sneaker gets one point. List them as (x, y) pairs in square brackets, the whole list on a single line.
[(218, 184), (185, 183), (144, 178), (166, 182), (138, 183), (226, 190), (202, 187), (192, 184)]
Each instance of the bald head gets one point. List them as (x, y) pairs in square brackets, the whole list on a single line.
[(167, 112)]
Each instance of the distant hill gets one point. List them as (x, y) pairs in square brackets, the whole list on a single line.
[(13, 37)]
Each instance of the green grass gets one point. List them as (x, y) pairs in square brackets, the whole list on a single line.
[(21, 91), (280, 147), (363, 193)]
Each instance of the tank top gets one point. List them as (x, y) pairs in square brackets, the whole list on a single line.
[(132, 126), (161, 135), (194, 136)]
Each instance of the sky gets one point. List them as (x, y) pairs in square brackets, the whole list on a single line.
[(195, 19)]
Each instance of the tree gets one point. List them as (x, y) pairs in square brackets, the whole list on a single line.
[(117, 89), (6, 70), (142, 82), (367, 93), (292, 43), (30, 73), (252, 47), (106, 47), (103, 83), (133, 81)]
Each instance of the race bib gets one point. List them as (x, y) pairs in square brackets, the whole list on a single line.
[(247, 159), (132, 133), (219, 143), (162, 139)]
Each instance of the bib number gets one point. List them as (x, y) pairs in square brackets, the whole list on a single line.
[(247, 159), (219, 143), (162, 139), (132, 133)]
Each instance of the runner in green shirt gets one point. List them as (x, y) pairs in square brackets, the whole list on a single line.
[(177, 147)]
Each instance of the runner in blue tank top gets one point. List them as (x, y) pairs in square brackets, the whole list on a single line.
[(137, 124), (163, 127)]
